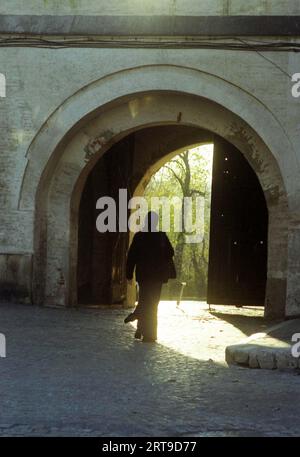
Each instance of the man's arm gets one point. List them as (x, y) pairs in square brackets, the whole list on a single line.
[(169, 251), (131, 259)]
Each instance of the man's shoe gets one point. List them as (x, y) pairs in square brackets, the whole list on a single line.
[(130, 318)]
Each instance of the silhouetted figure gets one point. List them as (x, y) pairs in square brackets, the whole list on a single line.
[(151, 255)]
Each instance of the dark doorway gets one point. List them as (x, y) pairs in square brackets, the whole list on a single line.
[(237, 271), (101, 256)]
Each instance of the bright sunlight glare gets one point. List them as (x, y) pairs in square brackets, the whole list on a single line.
[(192, 330)]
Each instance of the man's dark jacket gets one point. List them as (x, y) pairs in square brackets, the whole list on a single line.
[(151, 254)]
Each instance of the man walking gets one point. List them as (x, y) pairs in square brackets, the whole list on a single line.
[(151, 255)]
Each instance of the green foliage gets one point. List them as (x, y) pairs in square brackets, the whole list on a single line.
[(188, 174)]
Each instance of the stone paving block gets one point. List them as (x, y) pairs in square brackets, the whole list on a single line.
[(268, 350), (241, 356), (266, 359), (253, 362), (285, 360)]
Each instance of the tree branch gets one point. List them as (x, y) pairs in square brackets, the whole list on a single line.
[(199, 192), (180, 164), (177, 177)]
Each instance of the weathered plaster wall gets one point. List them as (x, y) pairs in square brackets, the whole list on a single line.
[(150, 7), (38, 81), (41, 82)]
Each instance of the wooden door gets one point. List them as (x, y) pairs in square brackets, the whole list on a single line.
[(238, 231)]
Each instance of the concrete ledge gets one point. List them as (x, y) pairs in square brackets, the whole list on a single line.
[(151, 25), (270, 350)]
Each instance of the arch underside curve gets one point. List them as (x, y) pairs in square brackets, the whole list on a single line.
[(62, 175)]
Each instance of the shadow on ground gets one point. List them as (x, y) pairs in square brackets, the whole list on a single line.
[(247, 324)]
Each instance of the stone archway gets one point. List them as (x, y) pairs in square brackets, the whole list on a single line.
[(128, 164), (180, 96)]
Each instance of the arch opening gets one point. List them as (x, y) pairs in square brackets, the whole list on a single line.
[(62, 183), (238, 240)]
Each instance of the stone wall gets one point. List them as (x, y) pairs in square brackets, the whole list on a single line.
[(52, 94)]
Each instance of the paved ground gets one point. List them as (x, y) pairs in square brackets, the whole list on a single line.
[(80, 373)]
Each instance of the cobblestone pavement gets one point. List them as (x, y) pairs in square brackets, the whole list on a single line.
[(79, 372)]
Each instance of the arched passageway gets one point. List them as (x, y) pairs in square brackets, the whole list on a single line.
[(239, 225), (61, 178)]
